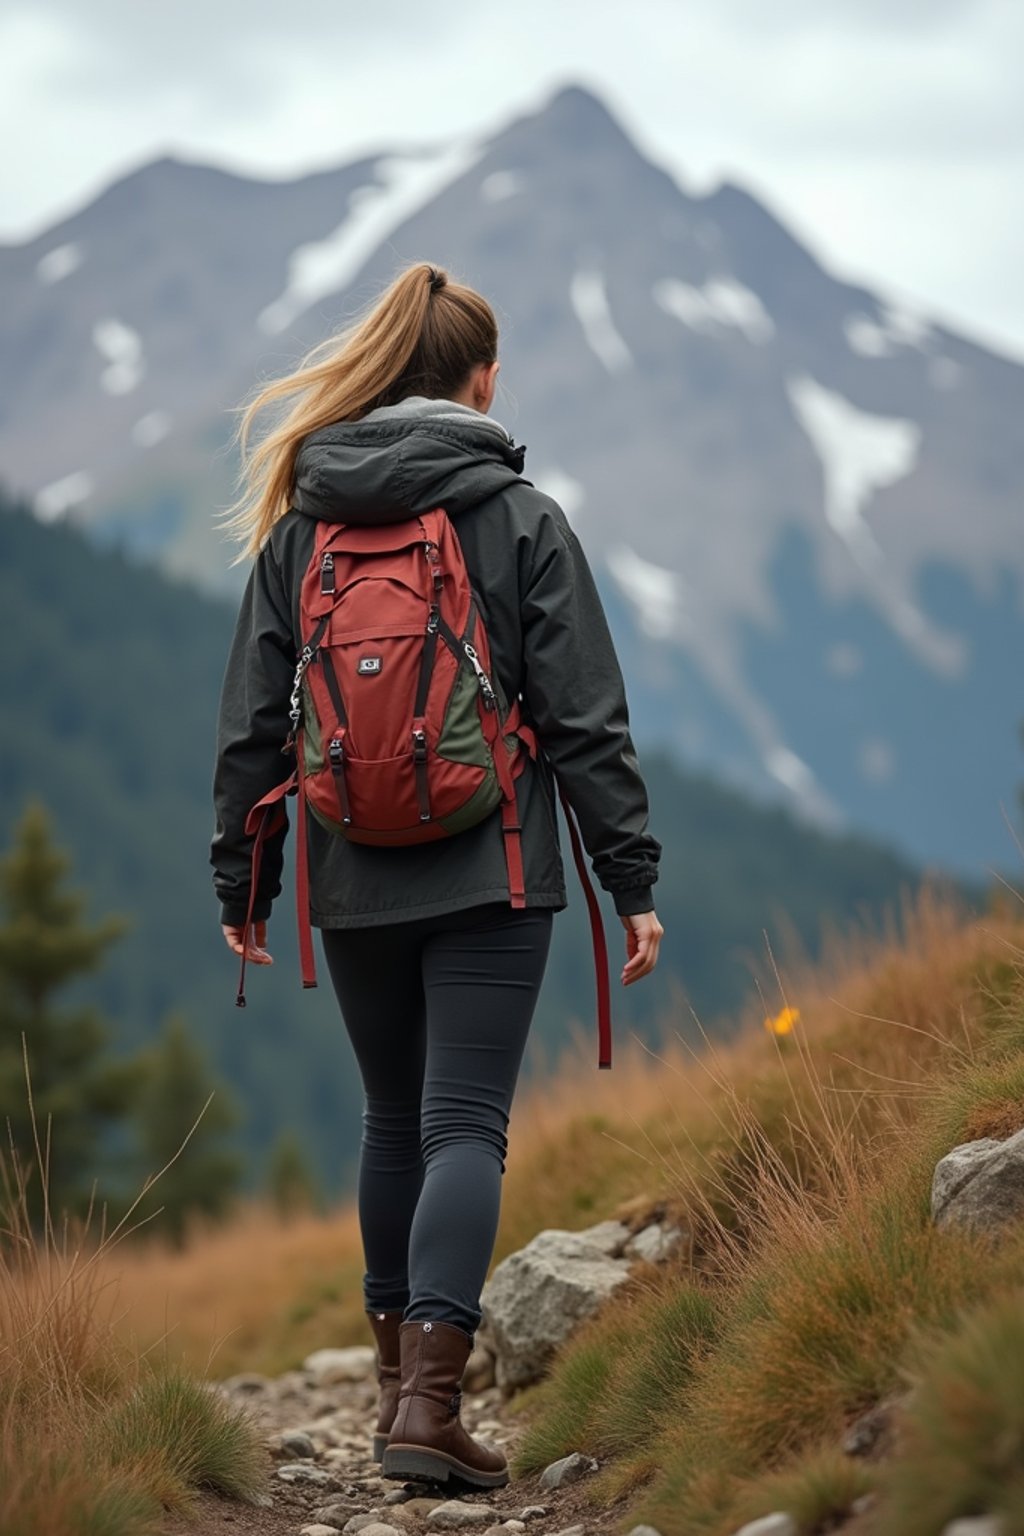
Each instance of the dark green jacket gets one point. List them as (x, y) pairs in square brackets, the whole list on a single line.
[(549, 643)]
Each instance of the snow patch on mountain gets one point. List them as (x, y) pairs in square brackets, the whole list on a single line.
[(722, 301), (861, 454), (405, 185), (590, 305), (653, 591), (791, 771), (501, 184), (562, 488), (151, 429), (60, 495), (895, 326), (122, 348), (59, 263)]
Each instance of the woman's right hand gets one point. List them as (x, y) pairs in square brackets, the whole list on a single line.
[(257, 952), (643, 936)]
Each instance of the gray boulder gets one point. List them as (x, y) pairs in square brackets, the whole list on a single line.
[(537, 1297), (979, 1187)]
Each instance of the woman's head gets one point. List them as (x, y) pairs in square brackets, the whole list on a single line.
[(426, 335)]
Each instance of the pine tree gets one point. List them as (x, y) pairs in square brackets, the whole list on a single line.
[(204, 1175), (291, 1183), (77, 1091)]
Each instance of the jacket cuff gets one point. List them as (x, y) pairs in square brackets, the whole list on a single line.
[(634, 900), (233, 914)]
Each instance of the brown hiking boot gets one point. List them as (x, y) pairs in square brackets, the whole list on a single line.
[(385, 1327), (427, 1438)]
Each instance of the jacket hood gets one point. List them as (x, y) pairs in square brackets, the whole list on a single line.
[(404, 459)]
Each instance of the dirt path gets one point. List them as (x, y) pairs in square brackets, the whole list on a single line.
[(340, 1480)]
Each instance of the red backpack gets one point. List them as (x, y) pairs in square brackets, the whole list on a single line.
[(399, 732)]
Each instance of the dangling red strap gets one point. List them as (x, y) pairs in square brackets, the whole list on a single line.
[(265, 818), (307, 963), (604, 1000), (254, 875)]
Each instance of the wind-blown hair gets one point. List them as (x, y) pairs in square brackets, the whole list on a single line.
[(423, 336)]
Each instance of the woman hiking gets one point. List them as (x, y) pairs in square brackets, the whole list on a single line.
[(436, 949)]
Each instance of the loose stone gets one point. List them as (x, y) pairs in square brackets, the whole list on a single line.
[(455, 1516), (302, 1472), (569, 1470), (297, 1444), (779, 1524)]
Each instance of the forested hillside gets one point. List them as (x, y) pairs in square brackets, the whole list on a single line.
[(108, 686)]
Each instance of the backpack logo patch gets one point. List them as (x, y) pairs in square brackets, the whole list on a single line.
[(369, 666)]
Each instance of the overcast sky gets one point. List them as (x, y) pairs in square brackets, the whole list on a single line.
[(888, 133)]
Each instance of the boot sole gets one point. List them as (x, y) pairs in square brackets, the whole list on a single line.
[(411, 1461)]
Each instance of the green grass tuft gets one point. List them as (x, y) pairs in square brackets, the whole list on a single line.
[(202, 1441), (818, 1490), (962, 1447)]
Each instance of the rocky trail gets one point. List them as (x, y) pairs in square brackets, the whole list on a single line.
[(317, 1424)]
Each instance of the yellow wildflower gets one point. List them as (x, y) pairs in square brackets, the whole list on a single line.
[(782, 1023)]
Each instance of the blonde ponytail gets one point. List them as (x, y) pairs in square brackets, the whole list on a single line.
[(423, 336)]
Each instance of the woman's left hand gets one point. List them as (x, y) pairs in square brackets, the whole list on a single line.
[(257, 953)]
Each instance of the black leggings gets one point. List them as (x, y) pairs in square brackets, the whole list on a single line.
[(438, 1011)]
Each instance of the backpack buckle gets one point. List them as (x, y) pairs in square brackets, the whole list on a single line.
[(419, 746)]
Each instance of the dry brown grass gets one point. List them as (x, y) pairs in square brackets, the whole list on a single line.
[(256, 1295), (96, 1439), (805, 1162), (876, 1015)]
